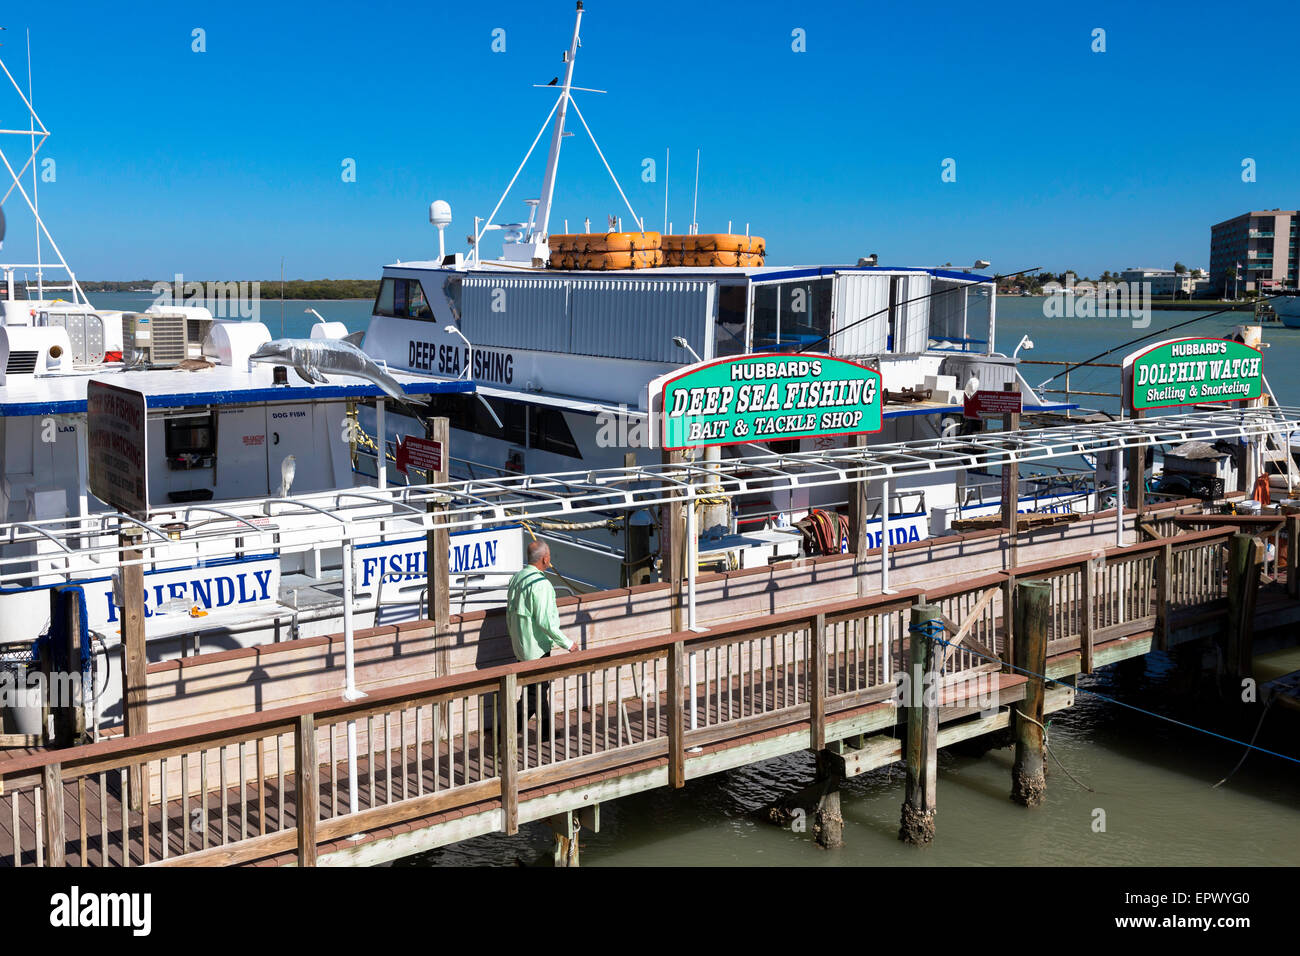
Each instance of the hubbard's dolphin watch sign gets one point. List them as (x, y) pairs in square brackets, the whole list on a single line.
[(1191, 371), (765, 398)]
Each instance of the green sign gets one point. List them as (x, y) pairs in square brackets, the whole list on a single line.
[(1191, 371), (769, 398)]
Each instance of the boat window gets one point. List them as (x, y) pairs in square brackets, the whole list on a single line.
[(191, 442), (452, 290), (792, 315), (466, 413), (402, 299), (729, 330), (548, 431)]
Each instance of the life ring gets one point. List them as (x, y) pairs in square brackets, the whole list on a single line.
[(593, 242), (713, 260), (716, 242)]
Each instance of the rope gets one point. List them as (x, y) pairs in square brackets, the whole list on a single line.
[(1253, 737), (1120, 703), (1048, 748), (929, 629)]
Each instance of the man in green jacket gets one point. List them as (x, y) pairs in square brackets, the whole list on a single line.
[(534, 623)]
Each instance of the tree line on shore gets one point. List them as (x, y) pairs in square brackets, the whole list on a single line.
[(266, 288)]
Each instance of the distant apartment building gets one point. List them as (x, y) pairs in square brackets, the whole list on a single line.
[(1167, 281), (1258, 249)]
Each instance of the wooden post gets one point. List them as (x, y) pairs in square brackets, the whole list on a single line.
[(565, 826), (922, 748), (1087, 616), (1011, 497), (135, 689), (437, 542), (1244, 560), (1137, 474), (1164, 587), (307, 769), (817, 682), (672, 547), (1293, 556), (52, 796), (859, 514), (677, 715), (828, 821), (508, 758), (1033, 608), (1009, 623)]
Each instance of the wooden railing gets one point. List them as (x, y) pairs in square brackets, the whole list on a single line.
[(277, 782)]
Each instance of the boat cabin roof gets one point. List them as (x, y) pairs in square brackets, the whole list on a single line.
[(754, 274), (219, 385)]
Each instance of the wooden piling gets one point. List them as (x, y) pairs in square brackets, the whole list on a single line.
[(565, 826), (307, 771), (859, 513), (1033, 607), (437, 541), (508, 755), (921, 753), (52, 820), (135, 685), (1164, 590), (817, 684), (1087, 615), (828, 822), (1245, 561), (677, 715), (672, 546)]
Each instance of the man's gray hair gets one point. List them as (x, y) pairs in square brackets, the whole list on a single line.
[(537, 550)]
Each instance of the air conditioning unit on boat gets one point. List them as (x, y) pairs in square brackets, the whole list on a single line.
[(164, 338)]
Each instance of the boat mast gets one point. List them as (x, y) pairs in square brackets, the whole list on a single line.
[(542, 227)]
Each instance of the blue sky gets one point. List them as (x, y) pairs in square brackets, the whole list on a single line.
[(217, 164)]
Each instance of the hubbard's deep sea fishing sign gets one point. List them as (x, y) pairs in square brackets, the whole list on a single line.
[(769, 398), (1188, 371)]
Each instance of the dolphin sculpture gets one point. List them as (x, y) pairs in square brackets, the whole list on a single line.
[(312, 358)]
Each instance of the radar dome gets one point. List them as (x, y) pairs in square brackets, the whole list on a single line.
[(440, 213)]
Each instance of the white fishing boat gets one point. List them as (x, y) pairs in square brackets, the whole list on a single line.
[(224, 437), (562, 336), (1287, 309)]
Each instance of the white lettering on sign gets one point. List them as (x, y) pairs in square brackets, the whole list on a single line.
[(214, 589), (470, 552)]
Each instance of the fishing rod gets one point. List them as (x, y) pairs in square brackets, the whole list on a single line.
[(866, 318), (1179, 325)]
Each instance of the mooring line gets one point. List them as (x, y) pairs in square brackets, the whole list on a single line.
[(934, 633), (1048, 747)]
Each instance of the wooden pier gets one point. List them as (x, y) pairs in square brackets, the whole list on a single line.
[(442, 760)]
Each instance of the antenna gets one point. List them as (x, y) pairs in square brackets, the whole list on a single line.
[(695, 205), (557, 134), (36, 201)]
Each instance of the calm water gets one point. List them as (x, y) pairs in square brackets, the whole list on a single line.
[(1152, 779), (294, 321)]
